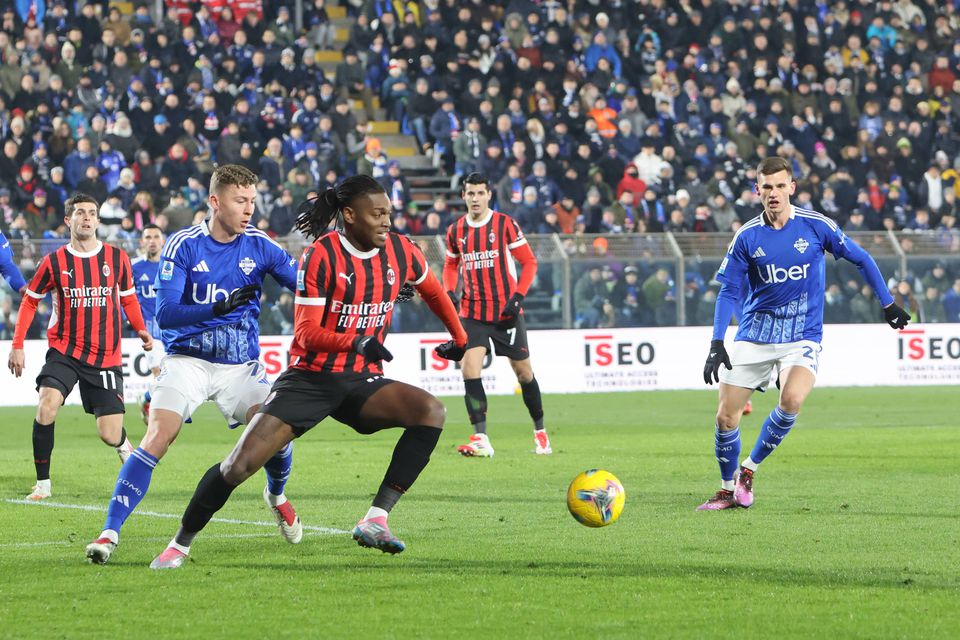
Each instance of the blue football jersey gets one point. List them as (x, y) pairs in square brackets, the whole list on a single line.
[(8, 268), (782, 275), (144, 279), (195, 269)]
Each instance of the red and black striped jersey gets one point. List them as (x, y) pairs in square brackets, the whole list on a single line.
[(352, 292), (85, 323), (486, 264)]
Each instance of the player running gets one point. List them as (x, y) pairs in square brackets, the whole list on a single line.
[(347, 285), (145, 270), (90, 281), (482, 246), (779, 257), (208, 310)]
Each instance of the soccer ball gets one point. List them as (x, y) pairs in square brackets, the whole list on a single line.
[(595, 498)]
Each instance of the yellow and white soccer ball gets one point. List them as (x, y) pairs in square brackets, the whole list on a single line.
[(595, 498)]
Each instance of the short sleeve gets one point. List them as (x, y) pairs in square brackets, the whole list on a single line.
[(125, 279), (417, 262), (453, 248), (514, 235), (43, 280)]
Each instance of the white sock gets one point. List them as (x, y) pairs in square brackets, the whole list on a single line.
[(179, 547), (749, 464), (375, 512), (275, 501), (111, 535), (44, 484), (726, 485)]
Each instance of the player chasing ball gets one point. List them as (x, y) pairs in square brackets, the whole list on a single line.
[(779, 257), (208, 309), (347, 284)]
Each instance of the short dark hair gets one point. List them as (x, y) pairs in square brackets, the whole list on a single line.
[(79, 198), (774, 164), (474, 178), (232, 174), (150, 226)]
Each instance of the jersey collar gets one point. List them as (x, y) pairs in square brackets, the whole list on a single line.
[(763, 216), (87, 254), (352, 250), (483, 221)]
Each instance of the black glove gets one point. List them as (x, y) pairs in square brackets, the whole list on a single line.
[(510, 312), (895, 316), (406, 292), (454, 299), (718, 355), (450, 351), (372, 349), (236, 299)]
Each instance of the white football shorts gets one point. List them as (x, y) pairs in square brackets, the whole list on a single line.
[(754, 363), (186, 382), (155, 355)]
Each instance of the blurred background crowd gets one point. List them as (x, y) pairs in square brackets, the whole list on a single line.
[(593, 120)]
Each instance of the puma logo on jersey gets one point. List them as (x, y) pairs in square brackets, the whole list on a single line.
[(69, 273), (348, 278)]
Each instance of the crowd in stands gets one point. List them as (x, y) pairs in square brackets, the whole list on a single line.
[(625, 117)]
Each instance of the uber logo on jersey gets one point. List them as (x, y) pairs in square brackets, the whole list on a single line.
[(166, 271), (247, 265), (211, 293), (772, 274)]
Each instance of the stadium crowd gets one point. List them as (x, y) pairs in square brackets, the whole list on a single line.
[(625, 117)]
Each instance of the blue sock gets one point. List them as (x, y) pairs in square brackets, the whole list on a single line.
[(727, 446), (775, 428), (278, 469), (132, 485), (147, 396)]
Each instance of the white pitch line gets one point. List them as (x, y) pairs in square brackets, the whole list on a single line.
[(218, 536), (154, 514)]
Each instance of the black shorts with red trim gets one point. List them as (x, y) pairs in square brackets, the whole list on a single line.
[(511, 343), (302, 398), (101, 390)]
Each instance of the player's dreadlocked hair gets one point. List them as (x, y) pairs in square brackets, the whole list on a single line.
[(315, 215)]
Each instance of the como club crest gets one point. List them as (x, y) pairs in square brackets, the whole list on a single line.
[(391, 276), (247, 265), (801, 245)]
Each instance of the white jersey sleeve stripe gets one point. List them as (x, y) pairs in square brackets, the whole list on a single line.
[(813, 215), (34, 295), (128, 292), (253, 231), (177, 239), (310, 302), (518, 243)]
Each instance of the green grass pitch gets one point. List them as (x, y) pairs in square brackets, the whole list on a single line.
[(855, 532)]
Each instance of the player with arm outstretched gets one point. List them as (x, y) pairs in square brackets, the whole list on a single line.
[(779, 256), (348, 282), (90, 282), (482, 246), (145, 269), (208, 309)]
